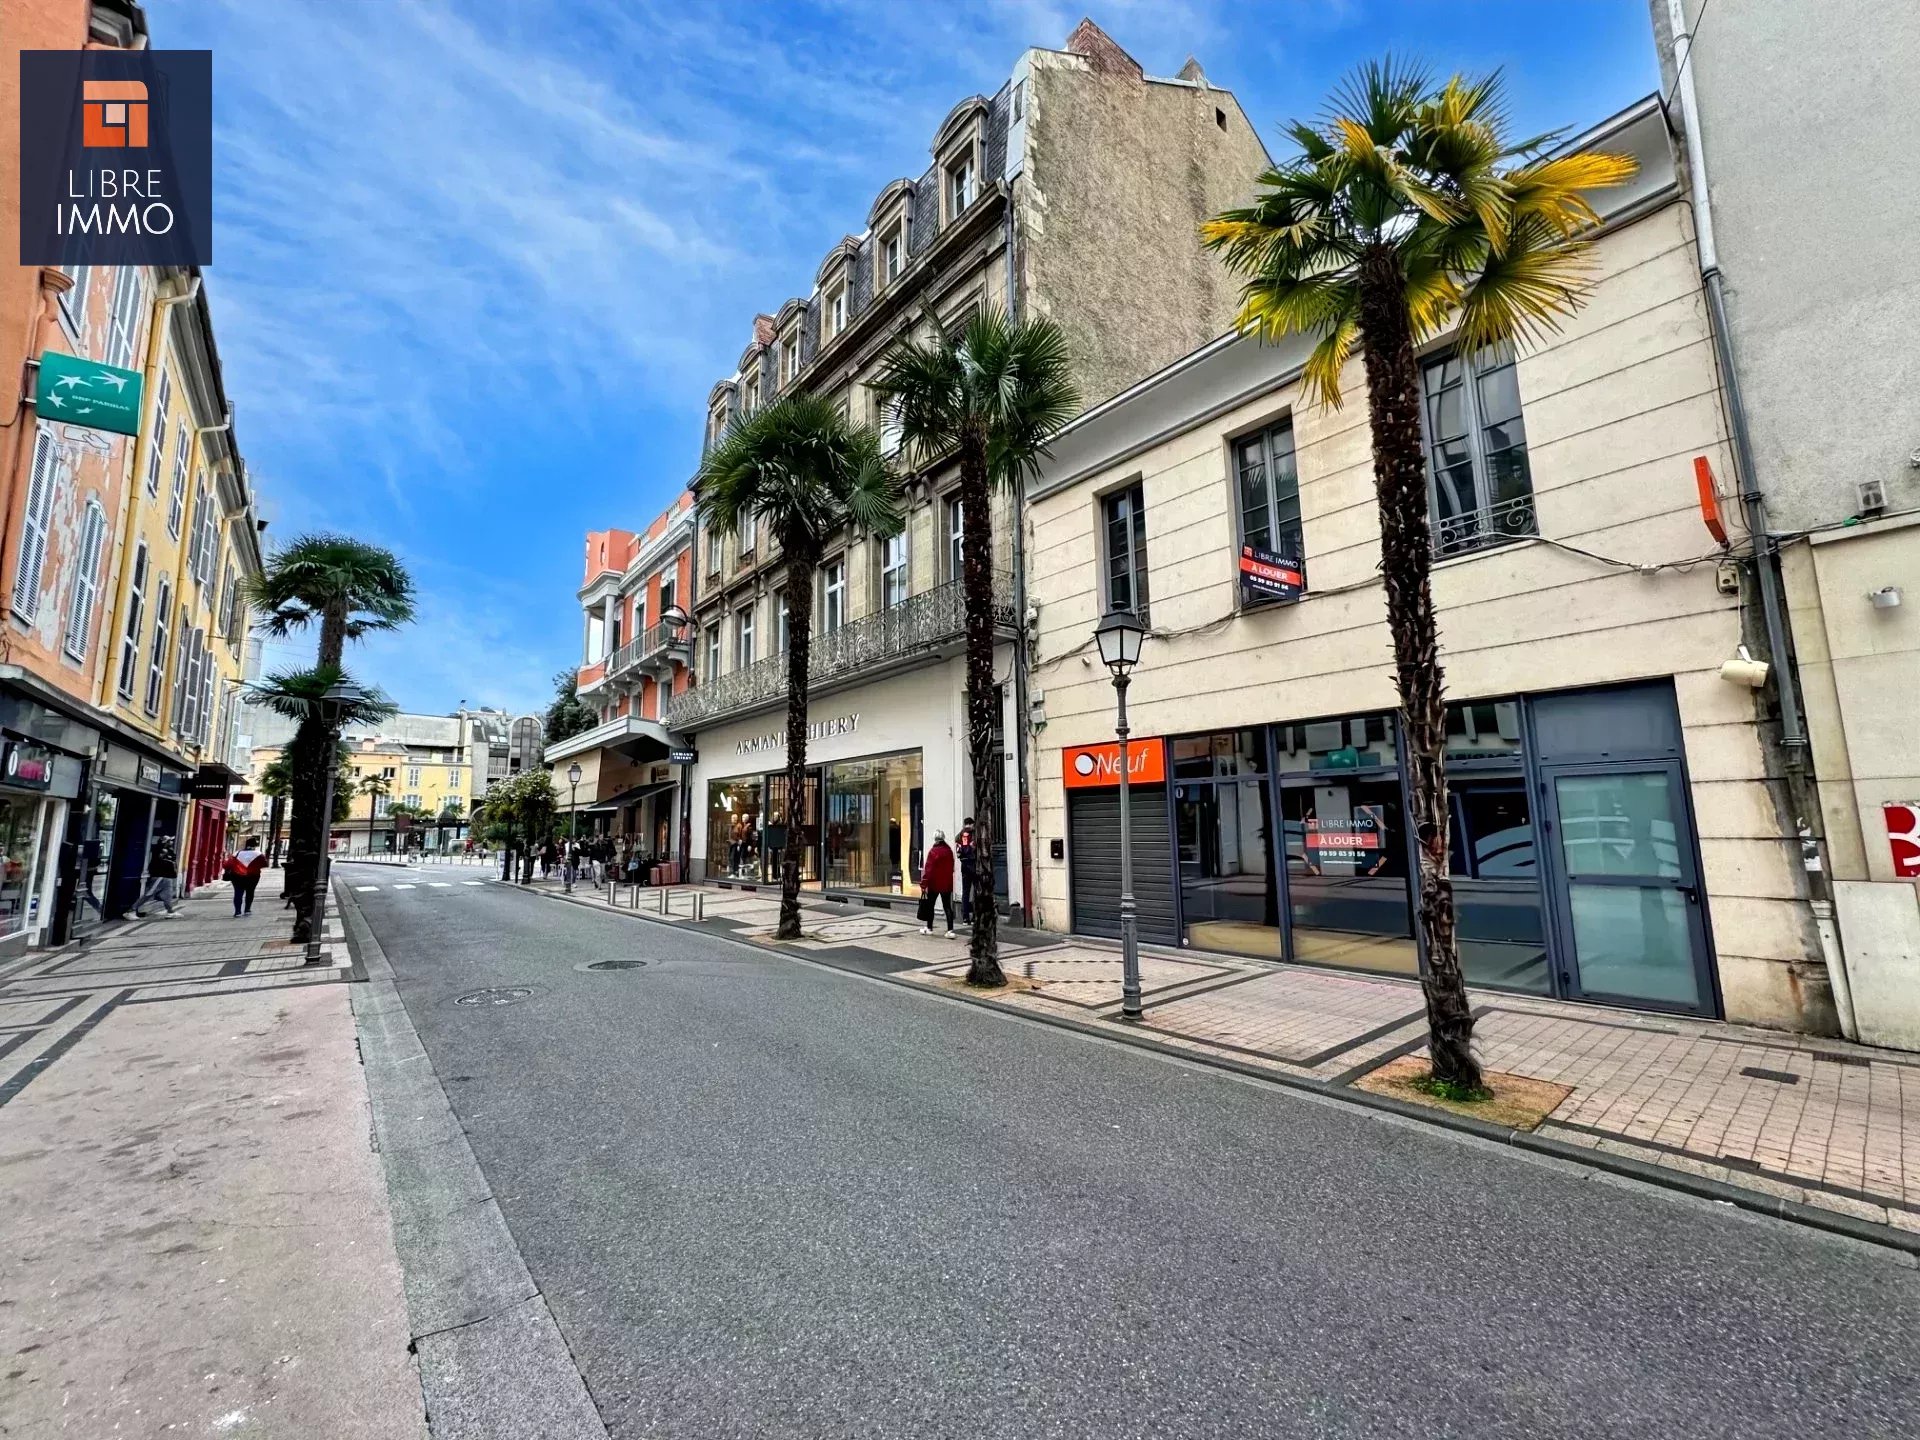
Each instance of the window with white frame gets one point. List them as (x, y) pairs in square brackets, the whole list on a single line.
[(780, 622), (1123, 517), (177, 501), (743, 639), (714, 546), (454, 781), (1481, 487), (413, 775), (157, 652), (713, 651), (123, 324), (225, 613), (893, 255), (86, 580), (746, 533), (790, 356), (960, 185), (890, 428), (157, 433), (956, 538), (833, 595), (136, 617), (836, 312), (1269, 486), (893, 571), (74, 302), (30, 561), (207, 678)]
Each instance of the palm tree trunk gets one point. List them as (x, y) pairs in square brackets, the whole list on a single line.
[(799, 646), (982, 701), (309, 753), (1406, 562)]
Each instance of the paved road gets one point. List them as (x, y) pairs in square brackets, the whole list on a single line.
[(766, 1199)]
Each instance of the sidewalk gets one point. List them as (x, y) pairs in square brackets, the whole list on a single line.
[(1811, 1121), (195, 1237)]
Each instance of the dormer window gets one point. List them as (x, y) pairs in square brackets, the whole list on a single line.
[(836, 311), (892, 257), (960, 186), (790, 356)]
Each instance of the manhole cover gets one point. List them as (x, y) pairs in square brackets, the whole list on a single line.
[(854, 929), (498, 995), (616, 964)]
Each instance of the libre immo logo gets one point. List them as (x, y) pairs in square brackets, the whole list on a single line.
[(116, 157), (114, 115)]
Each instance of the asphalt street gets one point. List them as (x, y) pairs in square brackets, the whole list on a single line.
[(763, 1198)]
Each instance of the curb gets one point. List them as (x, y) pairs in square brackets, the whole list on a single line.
[(1701, 1187)]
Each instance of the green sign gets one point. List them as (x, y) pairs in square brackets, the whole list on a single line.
[(73, 391)]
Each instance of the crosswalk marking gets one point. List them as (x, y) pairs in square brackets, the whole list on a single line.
[(403, 887), (439, 884), (473, 882), (364, 888)]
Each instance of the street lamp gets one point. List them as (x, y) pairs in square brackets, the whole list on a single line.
[(1118, 635), (332, 703), (573, 800)]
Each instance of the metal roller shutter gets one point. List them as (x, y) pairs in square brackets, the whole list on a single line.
[(1093, 863)]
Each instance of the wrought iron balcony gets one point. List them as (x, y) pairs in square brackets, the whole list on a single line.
[(923, 625), (1499, 524)]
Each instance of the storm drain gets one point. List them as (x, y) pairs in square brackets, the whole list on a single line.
[(615, 965), (497, 995)]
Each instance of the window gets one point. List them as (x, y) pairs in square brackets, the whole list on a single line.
[(836, 312), (780, 620), (130, 641), (228, 595), (74, 302), (713, 551), (453, 780), (890, 425), (186, 688), (200, 537), (959, 186), (790, 356), (157, 437), (893, 571), (37, 520), (1019, 101), (892, 257), (666, 597), (956, 539), (752, 401), (1124, 514), (743, 639), (123, 323), (1482, 490), (713, 651), (413, 775), (387, 772), (833, 596), (86, 581), (411, 799), (1269, 485), (746, 533), (157, 655), (177, 502)]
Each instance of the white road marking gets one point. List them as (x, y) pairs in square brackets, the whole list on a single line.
[(439, 884), (403, 887), (473, 882), (364, 888)]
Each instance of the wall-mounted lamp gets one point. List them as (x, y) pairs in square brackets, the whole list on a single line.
[(1887, 597), (1743, 669)]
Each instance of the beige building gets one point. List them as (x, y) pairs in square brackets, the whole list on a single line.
[(1615, 835), (1073, 192)]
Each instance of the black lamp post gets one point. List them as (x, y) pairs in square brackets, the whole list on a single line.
[(573, 801), (1118, 635), (333, 702), (680, 625)]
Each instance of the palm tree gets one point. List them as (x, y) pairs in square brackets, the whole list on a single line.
[(1409, 209), (805, 473), (376, 788), (994, 394), (349, 589), (276, 780), (298, 695)]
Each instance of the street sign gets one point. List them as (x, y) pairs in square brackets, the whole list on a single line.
[(73, 391), (682, 757)]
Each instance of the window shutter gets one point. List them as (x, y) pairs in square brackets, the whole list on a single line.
[(32, 558), (86, 583)]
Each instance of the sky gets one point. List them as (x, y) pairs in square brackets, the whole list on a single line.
[(477, 263)]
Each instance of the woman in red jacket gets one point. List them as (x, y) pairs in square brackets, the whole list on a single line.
[(936, 878), (243, 869)]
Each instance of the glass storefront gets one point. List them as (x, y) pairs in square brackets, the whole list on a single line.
[(1223, 821), (776, 831), (874, 823), (1491, 854), (23, 847), (733, 828)]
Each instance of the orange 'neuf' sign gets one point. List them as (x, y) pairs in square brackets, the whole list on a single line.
[(1086, 767)]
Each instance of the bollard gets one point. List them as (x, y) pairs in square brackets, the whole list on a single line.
[(699, 906)]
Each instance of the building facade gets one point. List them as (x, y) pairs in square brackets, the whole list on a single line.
[(1615, 836), (123, 559), (1818, 313), (1072, 193), (635, 599)]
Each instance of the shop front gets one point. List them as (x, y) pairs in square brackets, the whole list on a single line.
[(35, 791), (135, 798), (1574, 862)]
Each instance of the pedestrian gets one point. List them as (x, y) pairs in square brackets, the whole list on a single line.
[(242, 870), (570, 865), (936, 880), (162, 869), (963, 852)]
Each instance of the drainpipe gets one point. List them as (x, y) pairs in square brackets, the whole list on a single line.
[(1766, 556), (1793, 735), (1021, 707)]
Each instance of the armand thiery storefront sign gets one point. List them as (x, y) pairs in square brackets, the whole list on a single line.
[(816, 730)]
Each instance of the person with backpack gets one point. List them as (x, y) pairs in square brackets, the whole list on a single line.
[(242, 870), (936, 880), (963, 852), (162, 870)]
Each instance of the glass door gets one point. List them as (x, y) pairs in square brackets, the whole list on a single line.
[(1229, 899), (1631, 927)]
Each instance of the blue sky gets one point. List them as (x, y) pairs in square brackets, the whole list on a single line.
[(477, 264)]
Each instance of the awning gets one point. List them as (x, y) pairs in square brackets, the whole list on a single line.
[(627, 797)]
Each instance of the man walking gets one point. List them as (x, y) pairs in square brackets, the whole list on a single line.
[(964, 853), (161, 872), (936, 879)]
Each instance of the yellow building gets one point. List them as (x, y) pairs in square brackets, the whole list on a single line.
[(425, 768), (184, 551)]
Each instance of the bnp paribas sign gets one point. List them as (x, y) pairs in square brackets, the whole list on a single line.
[(116, 157), (85, 392)]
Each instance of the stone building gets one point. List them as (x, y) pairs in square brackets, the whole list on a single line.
[(1615, 837), (1072, 192)]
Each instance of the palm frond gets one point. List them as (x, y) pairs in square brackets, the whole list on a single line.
[(1555, 189), (1517, 294), (300, 695)]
